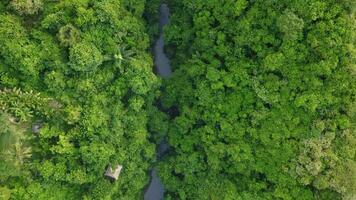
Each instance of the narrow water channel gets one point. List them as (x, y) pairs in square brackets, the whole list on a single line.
[(155, 190), (161, 62)]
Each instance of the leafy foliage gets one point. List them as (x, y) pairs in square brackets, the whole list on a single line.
[(27, 7), (261, 104), (68, 35), (13, 150), (85, 57), (264, 97), (94, 101), (23, 105)]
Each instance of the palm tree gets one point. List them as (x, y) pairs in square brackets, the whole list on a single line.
[(12, 150), (9, 134), (17, 154), (123, 54)]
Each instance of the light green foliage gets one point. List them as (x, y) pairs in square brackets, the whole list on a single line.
[(85, 57), (24, 105), (290, 25), (9, 132), (27, 7), (17, 154), (314, 153), (13, 150), (322, 164), (5, 193), (21, 57)]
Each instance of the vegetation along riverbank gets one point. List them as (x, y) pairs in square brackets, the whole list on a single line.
[(258, 101)]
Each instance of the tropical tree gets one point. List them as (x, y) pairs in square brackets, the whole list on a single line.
[(24, 105), (85, 57), (17, 154), (68, 35), (27, 7)]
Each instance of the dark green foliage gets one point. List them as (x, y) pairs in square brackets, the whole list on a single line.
[(151, 16), (264, 95)]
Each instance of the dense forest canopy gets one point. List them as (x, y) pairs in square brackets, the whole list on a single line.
[(82, 71), (261, 104), (265, 93)]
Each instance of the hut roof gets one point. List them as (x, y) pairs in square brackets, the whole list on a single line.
[(113, 173)]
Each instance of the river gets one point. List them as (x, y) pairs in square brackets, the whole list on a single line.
[(155, 190)]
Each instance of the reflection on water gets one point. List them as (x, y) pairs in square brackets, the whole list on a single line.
[(161, 60), (155, 190)]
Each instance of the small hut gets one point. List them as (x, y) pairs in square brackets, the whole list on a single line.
[(113, 174)]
